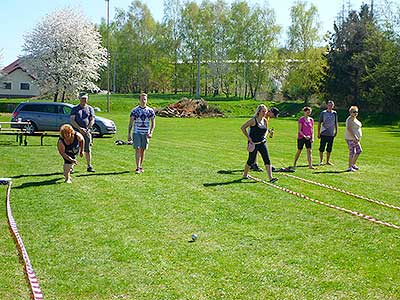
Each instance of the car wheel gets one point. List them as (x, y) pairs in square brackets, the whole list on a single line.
[(96, 131), (31, 128)]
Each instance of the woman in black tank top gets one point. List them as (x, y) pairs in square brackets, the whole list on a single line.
[(256, 136), (69, 145)]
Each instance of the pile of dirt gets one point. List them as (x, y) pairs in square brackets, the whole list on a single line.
[(189, 108)]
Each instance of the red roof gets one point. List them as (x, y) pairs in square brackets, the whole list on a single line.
[(15, 66), (12, 67)]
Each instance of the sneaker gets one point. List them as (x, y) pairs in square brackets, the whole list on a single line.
[(68, 181), (90, 169), (321, 164), (351, 169), (256, 168), (355, 167), (272, 180), (138, 171), (245, 177)]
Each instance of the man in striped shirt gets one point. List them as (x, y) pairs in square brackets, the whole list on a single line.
[(142, 118)]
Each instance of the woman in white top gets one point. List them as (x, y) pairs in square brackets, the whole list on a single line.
[(353, 136)]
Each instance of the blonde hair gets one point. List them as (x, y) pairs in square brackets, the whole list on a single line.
[(66, 130), (259, 108), (353, 108)]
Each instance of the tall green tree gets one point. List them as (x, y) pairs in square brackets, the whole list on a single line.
[(347, 45), (308, 65), (261, 46)]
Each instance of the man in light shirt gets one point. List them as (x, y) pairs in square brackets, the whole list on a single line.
[(142, 118)]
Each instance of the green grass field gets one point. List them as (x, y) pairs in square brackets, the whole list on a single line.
[(117, 235)]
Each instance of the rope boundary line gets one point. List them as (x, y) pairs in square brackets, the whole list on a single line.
[(36, 292), (343, 191), (351, 212)]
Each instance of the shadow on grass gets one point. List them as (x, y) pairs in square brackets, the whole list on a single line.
[(240, 180), (102, 174), (39, 183), (394, 132), (230, 171), (331, 172), (37, 175)]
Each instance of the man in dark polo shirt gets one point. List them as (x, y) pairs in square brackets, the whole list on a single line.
[(82, 119)]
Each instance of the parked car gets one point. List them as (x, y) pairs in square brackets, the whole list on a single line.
[(49, 116)]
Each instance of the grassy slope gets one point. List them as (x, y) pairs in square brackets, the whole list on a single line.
[(117, 235)]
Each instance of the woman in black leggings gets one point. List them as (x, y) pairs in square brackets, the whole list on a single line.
[(256, 136)]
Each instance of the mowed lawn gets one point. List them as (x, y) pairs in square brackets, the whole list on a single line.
[(117, 235)]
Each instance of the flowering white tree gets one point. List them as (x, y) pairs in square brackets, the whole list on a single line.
[(64, 53)]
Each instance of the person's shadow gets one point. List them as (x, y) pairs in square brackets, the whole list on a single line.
[(102, 174), (240, 180), (229, 172), (331, 172), (39, 183)]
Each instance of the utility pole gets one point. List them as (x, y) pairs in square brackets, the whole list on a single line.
[(108, 55)]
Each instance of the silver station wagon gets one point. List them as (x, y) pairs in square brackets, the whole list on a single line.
[(49, 116)]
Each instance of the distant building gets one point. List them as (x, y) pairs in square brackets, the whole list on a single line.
[(17, 82)]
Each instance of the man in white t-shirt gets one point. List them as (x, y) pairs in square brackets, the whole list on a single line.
[(142, 118)]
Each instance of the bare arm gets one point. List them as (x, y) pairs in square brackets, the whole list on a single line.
[(81, 142), (299, 129), (336, 125), (244, 127), (131, 123), (152, 126)]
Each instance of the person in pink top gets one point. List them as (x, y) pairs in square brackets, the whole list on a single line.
[(305, 136)]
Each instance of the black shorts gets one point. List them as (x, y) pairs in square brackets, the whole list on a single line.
[(262, 148), (326, 141), (303, 141)]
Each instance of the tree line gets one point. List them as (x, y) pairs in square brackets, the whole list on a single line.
[(235, 48), (220, 49)]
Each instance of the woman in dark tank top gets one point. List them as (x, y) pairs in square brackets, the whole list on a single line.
[(69, 145), (256, 136)]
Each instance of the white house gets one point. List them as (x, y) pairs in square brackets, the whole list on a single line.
[(17, 82)]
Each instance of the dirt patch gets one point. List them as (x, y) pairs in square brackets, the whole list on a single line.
[(189, 108)]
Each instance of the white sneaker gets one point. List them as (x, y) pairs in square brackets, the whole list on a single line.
[(351, 169)]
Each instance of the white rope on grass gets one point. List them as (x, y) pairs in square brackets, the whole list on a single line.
[(36, 292), (343, 191), (354, 213)]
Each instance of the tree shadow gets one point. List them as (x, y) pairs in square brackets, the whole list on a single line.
[(102, 174), (240, 180), (394, 132), (39, 183)]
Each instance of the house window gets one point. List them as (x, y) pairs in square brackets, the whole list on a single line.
[(25, 86), (7, 85)]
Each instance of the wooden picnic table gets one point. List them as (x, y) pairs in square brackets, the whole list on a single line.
[(19, 132)]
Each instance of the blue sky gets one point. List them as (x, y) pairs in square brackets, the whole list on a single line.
[(18, 17)]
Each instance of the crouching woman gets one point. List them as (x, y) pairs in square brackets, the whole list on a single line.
[(256, 138), (69, 145)]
